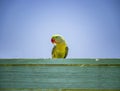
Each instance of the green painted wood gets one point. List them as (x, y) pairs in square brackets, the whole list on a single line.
[(31, 89), (60, 61), (58, 76), (39, 89)]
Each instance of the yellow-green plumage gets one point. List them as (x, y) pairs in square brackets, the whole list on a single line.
[(60, 49)]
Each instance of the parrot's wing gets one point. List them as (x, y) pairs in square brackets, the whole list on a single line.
[(53, 51), (66, 52)]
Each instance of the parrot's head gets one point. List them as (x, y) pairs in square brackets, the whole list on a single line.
[(57, 39)]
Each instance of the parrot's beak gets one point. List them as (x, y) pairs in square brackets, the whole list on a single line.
[(53, 41)]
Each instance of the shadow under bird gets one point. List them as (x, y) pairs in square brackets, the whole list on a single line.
[(60, 49)]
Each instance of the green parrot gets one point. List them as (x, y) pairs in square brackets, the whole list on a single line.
[(60, 49)]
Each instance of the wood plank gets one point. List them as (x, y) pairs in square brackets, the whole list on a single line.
[(59, 77), (39, 89), (60, 61)]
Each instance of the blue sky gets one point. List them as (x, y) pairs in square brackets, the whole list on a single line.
[(90, 27)]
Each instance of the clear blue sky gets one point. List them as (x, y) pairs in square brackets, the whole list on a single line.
[(90, 27)]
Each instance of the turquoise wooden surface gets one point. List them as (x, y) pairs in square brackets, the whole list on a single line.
[(60, 61), (59, 75)]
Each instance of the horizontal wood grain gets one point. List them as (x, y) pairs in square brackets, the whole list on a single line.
[(59, 75), (59, 61), (39, 89)]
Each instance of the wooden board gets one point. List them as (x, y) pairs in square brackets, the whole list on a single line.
[(60, 74), (60, 61)]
